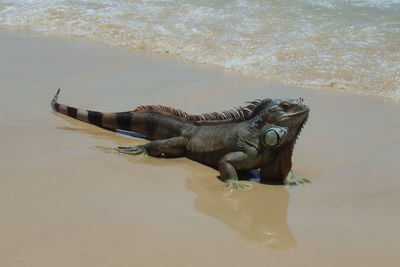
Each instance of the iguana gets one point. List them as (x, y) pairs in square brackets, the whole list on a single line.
[(261, 134)]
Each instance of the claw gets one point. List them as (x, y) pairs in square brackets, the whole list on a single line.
[(131, 150), (245, 186), (293, 180), (236, 184)]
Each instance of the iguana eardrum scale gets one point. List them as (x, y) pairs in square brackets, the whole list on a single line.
[(261, 135)]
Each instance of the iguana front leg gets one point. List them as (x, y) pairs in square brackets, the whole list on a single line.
[(292, 179), (172, 147), (227, 167)]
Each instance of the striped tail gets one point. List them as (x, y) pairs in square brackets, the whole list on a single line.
[(154, 126)]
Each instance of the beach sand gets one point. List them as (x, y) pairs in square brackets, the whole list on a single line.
[(67, 200)]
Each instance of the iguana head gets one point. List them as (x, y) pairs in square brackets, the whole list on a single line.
[(282, 120)]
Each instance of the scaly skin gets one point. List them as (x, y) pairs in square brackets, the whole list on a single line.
[(261, 135)]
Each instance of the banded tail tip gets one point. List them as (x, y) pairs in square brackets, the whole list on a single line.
[(54, 103)]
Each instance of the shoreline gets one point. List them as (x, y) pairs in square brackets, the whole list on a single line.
[(68, 200), (394, 99)]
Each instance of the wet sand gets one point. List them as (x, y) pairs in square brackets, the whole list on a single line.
[(67, 200)]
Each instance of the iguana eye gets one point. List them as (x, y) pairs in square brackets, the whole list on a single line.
[(285, 105)]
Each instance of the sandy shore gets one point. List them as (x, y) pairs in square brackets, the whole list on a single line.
[(67, 200)]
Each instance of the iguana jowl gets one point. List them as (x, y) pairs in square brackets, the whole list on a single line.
[(259, 135)]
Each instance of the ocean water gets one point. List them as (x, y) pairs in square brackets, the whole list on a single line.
[(351, 45)]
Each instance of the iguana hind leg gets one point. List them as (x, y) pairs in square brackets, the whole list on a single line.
[(172, 147)]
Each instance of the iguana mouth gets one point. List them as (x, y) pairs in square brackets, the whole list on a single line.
[(297, 113)]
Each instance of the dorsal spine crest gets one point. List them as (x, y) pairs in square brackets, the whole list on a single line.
[(233, 115)]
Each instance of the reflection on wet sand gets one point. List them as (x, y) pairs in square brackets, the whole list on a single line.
[(93, 131), (259, 214)]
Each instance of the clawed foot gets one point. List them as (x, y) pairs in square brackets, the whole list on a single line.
[(236, 184), (293, 180), (131, 150)]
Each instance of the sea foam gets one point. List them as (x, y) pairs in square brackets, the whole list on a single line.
[(350, 45)]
